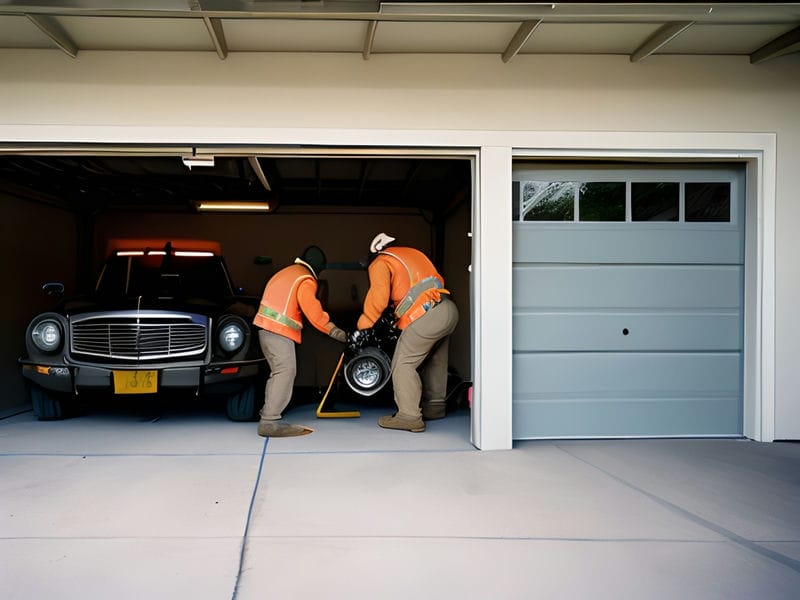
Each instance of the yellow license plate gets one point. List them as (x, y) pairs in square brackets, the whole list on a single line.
[(135, 382)]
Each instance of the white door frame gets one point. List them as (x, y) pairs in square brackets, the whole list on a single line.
[(495, 150)]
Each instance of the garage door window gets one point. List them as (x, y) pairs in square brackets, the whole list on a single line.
[(622, 201), (548, 201), (655, 201), (601, 201), (708, 202)]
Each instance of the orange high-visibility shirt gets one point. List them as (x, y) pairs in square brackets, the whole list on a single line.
[(288, 295), (391, 275)]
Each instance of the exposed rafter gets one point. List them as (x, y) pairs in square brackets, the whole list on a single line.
[(786, 44), (369, 39), (256, 166), (520, 37), (217, 34), (215, 30), (53, 29), (660, 38)]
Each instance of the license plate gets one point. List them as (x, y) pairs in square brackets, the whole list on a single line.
[(135, 382)]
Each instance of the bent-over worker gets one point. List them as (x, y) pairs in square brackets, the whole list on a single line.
[(405, 279), (288, 295)]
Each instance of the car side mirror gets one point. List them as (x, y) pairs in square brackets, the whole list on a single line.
[(53, 288)]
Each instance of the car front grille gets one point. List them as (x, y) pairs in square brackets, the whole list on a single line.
[(139, 337)]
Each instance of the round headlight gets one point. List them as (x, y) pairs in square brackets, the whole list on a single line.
[(47, 335), (231, 337)]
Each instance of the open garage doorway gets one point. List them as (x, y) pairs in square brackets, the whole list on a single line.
[(66, 204)]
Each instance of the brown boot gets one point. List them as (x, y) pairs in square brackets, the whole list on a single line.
[(280, 429), (406, 423), (433, 410)]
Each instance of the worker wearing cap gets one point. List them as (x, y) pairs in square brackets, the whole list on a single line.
[(405, 279), (288, 295)]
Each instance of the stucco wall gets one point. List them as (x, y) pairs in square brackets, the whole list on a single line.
[(556, 93)]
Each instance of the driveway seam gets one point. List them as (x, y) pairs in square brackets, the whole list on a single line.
[(697, 519), (247, 521)]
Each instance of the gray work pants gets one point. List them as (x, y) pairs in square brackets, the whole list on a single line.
[(424, 343), (280, 354)]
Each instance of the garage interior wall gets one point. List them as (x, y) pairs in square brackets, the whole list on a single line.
[(345, 238), (38, 245), (457, 92)]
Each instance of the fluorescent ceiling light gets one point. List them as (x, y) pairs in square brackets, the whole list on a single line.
[(231, 206), (198, 160)]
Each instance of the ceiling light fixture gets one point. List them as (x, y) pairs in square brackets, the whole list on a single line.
[(232, 206), (198, 160)]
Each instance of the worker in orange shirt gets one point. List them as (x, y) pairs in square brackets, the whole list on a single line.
[(405, 279), (288, 295)]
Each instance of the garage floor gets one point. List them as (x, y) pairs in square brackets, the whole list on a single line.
[(131, 504)]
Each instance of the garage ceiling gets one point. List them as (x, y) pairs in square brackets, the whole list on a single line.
[(89, 184), (759, 30)]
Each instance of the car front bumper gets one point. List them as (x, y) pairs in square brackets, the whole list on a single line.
[(211, 378)]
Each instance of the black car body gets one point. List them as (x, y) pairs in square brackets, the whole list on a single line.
[(163, 316)]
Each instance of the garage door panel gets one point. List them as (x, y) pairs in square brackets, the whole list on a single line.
[(645, 417), (620, 394), (586, 243), (626, 286), (625, 375), (653, 331)]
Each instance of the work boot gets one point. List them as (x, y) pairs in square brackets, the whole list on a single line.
[(398, 421), (281, 429), (433, 410)]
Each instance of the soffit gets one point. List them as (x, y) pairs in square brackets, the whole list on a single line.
[(759, 30)]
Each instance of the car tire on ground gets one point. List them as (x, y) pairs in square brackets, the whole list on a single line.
[(47, 405), (242, 406)]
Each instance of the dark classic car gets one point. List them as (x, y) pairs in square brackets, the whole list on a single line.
[(164, 316)]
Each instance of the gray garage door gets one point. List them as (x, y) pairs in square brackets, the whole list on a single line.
[(628, 300)]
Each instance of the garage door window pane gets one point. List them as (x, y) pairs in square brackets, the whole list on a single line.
[(602, 201), (655, 201), (548, 201), (708, 202)]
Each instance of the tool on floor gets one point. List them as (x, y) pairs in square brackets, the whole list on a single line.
[(334, 414)]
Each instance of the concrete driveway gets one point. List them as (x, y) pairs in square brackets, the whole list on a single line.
[(179, 504)]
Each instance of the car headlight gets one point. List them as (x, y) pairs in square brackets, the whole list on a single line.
[(231, 337), (47, 335)]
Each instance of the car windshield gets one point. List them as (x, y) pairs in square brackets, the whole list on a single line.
[(165, 276)]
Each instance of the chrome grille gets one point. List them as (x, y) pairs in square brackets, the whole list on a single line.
[(138, 337)]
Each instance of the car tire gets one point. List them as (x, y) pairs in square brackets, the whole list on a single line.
[(242, 406), (47, 405), (368, 372)]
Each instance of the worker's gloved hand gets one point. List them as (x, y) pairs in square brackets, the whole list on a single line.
[(338, 334)]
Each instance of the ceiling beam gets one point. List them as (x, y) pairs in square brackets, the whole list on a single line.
[(369, 10), (369, 39), (660, 38), (53, 29), (217, 34), (522, 35), (254, 164), (214, 27), (786, 44)]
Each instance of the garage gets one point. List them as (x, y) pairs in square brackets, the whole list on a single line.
[(628, 299), (263, 205)]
